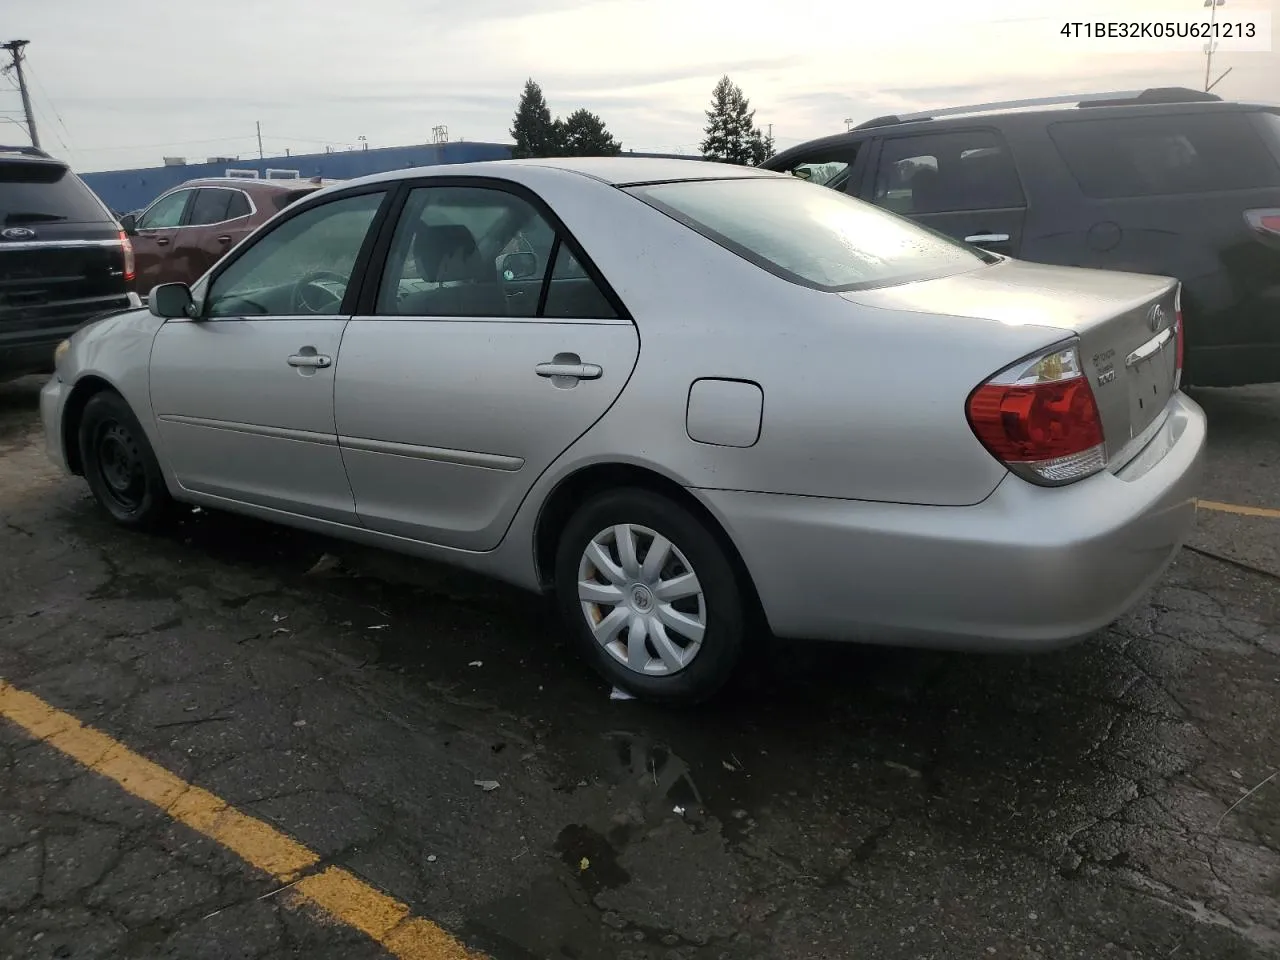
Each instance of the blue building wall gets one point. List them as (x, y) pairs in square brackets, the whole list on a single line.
[(127, 190)]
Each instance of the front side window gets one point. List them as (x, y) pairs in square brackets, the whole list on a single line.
[(301, 267), (814, 237), (165, 212), (479, 252), (947, 172)]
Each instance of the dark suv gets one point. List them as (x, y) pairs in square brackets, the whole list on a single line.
[(1167, 181), (63, 259)]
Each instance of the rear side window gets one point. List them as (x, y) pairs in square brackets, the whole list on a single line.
[(1163, 155), (947, 173), (44, 192), (1269, 124), (810, 235)]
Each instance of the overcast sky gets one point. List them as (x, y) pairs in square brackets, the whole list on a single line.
[(122, 84)]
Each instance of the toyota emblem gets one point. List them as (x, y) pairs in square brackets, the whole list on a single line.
[(1155, 319), (18, 233)]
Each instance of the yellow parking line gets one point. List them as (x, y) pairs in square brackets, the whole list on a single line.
[(334, 890), (1237, 508)]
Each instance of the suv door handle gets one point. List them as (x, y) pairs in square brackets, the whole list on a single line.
[(162, 241), (988, 238), (225, 238), (309, 360)]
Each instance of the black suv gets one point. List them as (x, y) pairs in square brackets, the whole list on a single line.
[(1167, 181), (63, 259)]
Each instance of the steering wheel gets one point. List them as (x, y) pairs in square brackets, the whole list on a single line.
[(310, 297)]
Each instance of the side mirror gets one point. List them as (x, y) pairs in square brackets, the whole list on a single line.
[(519, 266), (129, 224), (171, 301), (803, 173)]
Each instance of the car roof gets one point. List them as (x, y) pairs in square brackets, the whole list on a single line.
[(1012, 116), (254, 183)]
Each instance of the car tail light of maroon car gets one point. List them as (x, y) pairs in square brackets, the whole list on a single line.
[(130, 269), (1040, 419)]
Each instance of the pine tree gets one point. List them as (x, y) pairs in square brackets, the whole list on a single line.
[(732, 136), (585, 135), (533, 130)]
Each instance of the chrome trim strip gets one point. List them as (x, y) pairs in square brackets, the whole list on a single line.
[(1150, 348), (463, 458), (445, 318), (253, 208), (52, 244), (253, 429)]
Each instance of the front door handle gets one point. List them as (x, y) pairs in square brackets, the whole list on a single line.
[(570, 369), (225, 238), (162, 241), (988, 238), (310, 360)]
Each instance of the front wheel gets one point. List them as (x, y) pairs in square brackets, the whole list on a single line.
[(651, 596), (119, 464)]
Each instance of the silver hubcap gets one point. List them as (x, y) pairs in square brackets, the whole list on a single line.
[(642, 599)]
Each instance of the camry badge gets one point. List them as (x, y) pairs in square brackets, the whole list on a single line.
[(18, 233)]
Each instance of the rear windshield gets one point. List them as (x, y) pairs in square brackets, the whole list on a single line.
[(42, 192), (811, 235), (1167, 154)]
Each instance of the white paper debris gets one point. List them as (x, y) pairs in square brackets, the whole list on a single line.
[(487, 785), (380, 626), (678, 810), (476, 663), (620, 695)]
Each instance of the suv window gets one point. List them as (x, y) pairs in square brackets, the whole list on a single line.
[(43, 191), (210, 206), (947, 172), (165, 212), (481, 252), (814, 237), (1161, 155), (315, 249), (827, 168)]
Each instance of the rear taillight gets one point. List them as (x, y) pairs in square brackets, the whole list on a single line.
[(1039, 418), (127, 246), (1179, 335), (1264, 221)]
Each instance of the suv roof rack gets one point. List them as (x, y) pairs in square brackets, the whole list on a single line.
[(26, 151), (1115, 99)]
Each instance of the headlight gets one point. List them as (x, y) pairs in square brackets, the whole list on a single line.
[(60, 351)]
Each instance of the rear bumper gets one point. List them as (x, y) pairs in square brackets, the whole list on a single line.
[(1029, 568), (26, 346)]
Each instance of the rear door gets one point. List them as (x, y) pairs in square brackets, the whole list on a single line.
[(963, 183), (458, 385), (155, 231), (217, 219)]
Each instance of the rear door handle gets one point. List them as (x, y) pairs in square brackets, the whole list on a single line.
[(309, 360), (573, 371), (988, 238), (162, 241), (225, 238)]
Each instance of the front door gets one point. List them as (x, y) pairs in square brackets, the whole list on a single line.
[(156, 228), (963, 183), (243, 397), (490, 348)]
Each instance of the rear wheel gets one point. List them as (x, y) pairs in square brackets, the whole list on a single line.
[(651, 596), (119, 464)]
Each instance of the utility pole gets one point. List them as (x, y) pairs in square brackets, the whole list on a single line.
[(848, 124), (1213, 6), (259, 122), (15, 49)]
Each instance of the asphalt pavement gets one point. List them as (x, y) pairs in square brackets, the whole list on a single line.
[(332, 721)]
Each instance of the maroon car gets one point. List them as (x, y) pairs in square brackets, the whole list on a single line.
[(187, 229)]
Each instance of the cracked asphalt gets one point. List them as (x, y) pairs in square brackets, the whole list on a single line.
[(839, 802)]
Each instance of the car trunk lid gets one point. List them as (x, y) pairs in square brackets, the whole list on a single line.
[(1125, 324)]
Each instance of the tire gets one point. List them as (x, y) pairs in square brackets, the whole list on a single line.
[(683, 670), (119, 464)]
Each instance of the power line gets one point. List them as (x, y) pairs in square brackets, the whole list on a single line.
[(52, 106), (15, 50)]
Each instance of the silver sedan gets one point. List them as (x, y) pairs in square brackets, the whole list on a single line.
[(690, 400)]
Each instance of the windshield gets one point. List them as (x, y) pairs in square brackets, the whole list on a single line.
[(812, 235), (34, 192)]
